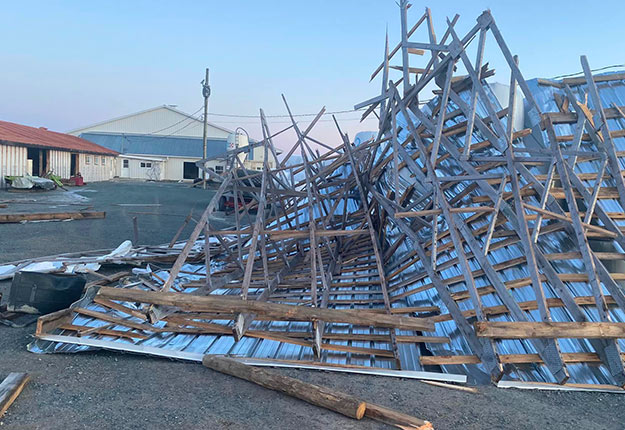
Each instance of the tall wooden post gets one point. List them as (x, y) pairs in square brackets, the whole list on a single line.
[(206, 91)]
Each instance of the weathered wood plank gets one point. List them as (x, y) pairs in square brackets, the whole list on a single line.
[(49, 216), (235, 305), (524, 330), (10, 388)]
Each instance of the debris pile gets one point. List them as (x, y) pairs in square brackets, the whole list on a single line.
[(472, 236)]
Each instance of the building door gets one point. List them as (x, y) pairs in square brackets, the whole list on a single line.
[(43, 162), (190, 171), (125, 168), (73, 165), (39, 159)]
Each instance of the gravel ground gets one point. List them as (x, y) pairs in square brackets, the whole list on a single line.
[(109, 390)]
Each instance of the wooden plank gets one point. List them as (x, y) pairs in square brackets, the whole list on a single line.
[(451, 386), (10, 388), (567, 357), (574, 330), (107, 332), (47, 323), (396, 48), (119, 307), (19, 217), (469, 209), (597, 388)]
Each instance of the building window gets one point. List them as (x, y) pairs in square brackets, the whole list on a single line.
[(125, 164), (219, 169), (88, 159), (142, 164), (103, 161), (146, 165), (95, 160)]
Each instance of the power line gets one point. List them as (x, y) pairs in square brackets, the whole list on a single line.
[(176, 123), (285, 116), (166, 135), (594, 70), (249, 121), (248, 118)]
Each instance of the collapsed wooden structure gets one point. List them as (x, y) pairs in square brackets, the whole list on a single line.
[(457, 239)]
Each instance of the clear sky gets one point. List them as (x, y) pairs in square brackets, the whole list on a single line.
[(67, 64)]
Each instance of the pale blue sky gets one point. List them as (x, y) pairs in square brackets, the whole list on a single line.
[(66, 64)]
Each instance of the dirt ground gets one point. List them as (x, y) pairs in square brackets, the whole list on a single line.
[(108, 390)]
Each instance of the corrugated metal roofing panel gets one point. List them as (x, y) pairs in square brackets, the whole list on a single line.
[(42, 137)]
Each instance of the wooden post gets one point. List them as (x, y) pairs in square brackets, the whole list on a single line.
[(135, 229), (206, 91), (315, 394)]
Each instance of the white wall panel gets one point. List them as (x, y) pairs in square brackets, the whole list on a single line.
[(12, 162), (59, 163), (135, 171), (95, 172)]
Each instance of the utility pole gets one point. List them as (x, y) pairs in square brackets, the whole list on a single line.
[(206, 92)]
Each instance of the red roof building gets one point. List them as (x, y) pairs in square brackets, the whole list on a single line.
[(17, 134), (37, 151)]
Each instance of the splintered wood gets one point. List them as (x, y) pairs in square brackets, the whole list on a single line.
[(472, 230)]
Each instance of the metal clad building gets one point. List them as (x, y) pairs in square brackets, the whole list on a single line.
[(162, 143), (161, 120), (158, 157)]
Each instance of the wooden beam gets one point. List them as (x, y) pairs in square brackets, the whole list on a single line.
[(235, 305), (414, 214), (47, 323), (10, 388), (19, 217), (569, 330)]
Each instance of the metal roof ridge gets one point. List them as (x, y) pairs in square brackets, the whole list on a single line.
[(146, 111)]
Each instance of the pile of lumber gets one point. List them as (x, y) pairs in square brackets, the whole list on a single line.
[(453, 242)]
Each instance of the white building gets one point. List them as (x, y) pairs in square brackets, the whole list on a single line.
[(163, 143)]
